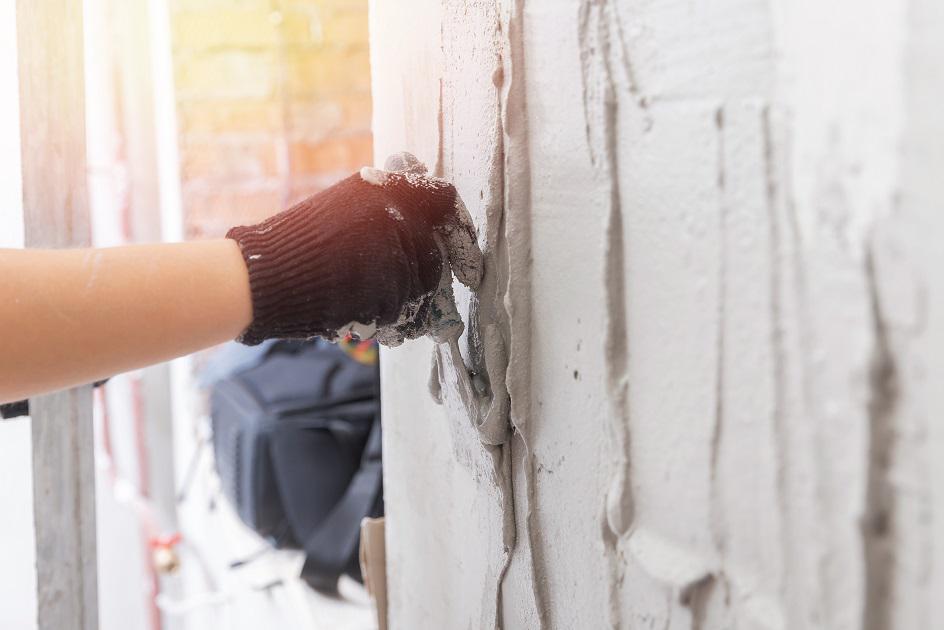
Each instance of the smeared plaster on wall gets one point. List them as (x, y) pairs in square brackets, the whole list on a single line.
[(601, 104), (517, 215), (496, 395), (485, 403), (747, 330), (517, 298), (485, 339), (487, 345), (499, 335)]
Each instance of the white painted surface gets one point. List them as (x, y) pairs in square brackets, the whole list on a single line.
[(748, 193), (18, 546), (17, 543), (11, 178)]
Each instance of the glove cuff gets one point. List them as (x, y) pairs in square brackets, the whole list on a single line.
[(285, 277)]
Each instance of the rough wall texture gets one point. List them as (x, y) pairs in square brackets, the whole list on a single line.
[(713, 233), (273, 103)]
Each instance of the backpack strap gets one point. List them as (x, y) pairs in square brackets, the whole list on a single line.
[(12, 410), (329, 549), (20, 408)]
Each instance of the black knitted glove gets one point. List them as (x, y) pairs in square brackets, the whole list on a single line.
[(365, 255)]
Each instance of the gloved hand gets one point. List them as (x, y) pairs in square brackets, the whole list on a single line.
[(365, 256)]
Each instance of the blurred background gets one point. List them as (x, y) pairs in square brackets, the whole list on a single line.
[(273, 103), (201, 114)]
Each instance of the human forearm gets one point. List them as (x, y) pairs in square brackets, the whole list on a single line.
[(371, 255), (74, 316)]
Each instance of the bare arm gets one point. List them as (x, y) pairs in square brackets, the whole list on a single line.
[(75, 316), (366, 254)]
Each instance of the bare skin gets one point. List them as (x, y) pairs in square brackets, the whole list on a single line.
[(69, 317)]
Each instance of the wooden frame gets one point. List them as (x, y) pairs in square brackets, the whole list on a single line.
[(55, 205)]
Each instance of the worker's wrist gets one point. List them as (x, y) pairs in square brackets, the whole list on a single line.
[(242, 310), (281, 258)]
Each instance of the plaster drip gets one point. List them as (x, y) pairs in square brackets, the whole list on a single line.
[(601, 112), (878, 523), (481, 387), (700, 597), (494, 319), (516, 170), (629, 70), (790, 342), (670, 564), (600, 93), (778, 343), (718, 428), (501, 456)]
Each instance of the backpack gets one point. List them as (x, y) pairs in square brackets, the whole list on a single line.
[(297, 441)]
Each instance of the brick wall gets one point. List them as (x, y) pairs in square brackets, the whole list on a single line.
[(273, 101)]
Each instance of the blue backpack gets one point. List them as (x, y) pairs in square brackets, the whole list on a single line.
[(297, 441)]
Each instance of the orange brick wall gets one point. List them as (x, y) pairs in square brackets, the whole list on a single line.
[(273, 101)]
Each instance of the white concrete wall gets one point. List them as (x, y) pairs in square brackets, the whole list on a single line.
[(714, 240)]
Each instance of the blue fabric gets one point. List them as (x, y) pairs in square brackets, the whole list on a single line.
[(231, 358)]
